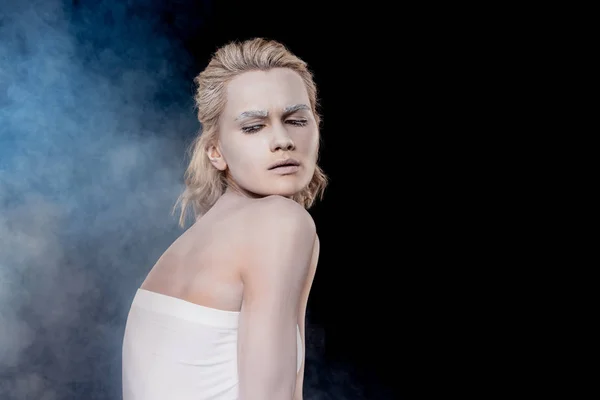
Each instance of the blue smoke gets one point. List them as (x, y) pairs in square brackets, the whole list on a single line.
[(95, 115)]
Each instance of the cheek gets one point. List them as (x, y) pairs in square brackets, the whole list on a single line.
[(308, 141), (314, 146), (240, 157)]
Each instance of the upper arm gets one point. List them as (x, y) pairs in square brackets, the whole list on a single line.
[(298, 395), (278, 258)]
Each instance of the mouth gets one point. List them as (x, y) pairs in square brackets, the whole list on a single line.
[(284, 163)]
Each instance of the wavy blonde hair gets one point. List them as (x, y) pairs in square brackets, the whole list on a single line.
[(204, 184)]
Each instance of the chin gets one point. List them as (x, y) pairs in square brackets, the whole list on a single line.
[(287, 187), (284, 190), (292, 188)]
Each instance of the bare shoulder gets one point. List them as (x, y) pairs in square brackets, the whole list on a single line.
[(279, 206), (279, 228), (273, 214)]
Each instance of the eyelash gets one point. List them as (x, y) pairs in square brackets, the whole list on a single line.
[(256, 128)]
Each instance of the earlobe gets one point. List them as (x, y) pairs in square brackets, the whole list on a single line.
[(216, 158)]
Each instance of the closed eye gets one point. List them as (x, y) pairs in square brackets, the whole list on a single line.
[(258, 127), (297, 122), (252, 128)]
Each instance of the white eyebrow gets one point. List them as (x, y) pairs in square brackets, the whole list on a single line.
[(264, 114), (295, 107), (253, 114)]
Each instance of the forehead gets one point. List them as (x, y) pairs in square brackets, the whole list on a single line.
[(265, 90)]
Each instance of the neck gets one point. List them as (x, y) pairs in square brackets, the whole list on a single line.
[(234, 190)]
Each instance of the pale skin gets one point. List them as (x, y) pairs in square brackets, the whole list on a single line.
[(256, 250)]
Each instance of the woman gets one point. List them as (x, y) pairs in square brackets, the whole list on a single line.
[(221, 314)]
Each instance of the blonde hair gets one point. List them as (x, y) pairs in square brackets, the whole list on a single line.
[(204, 183)]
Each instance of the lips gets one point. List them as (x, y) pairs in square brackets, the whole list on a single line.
[(290, 162)]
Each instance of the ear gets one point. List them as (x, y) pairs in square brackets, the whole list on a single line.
[(216, 157)]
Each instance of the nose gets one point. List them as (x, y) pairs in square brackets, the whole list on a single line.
[(281, 140)]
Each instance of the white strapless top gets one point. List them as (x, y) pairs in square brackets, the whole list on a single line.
[(177, 350)]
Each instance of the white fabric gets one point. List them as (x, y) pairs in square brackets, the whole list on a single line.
[(177, 350)]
